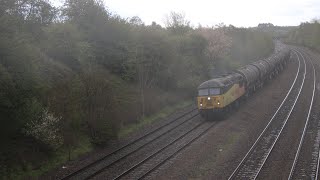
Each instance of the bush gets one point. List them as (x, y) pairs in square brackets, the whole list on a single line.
[(307, 35), (45, 129), (90, 72)]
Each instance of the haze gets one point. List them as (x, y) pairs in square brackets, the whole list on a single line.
[(243, 13)]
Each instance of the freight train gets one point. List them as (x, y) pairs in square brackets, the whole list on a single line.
[(216, 97)]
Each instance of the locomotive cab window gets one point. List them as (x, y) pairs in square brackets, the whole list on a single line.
[(214, 91), (203, 92)]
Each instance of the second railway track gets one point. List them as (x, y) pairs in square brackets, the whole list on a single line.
[(279, 163), (143, 168), (306, 161), (254, 160), (131, 147)]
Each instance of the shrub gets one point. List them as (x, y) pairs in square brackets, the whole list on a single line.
[(45, 129)]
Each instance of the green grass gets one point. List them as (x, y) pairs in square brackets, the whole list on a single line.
[(55, 160), (149, 119)]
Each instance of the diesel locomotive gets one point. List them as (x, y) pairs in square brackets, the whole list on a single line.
[(217, 96)]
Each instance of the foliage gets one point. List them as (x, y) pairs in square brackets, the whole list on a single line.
[(219, 43), (177, 23), (81, 71), (307, 35), (249, 45), (148, 120), (45, 129)]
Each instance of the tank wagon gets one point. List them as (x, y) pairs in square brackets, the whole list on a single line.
[(217, 96)]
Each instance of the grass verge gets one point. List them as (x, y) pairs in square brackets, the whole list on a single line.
[(149, 119), (55, 160)]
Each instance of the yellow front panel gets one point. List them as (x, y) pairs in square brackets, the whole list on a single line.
[(209, 103), (224, 99)]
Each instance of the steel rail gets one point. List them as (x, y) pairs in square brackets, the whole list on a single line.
[(172, 155), (271, 120), (155, 153), (304, 76), (318, 165), (74, 173), (128, 154), (306, 124)]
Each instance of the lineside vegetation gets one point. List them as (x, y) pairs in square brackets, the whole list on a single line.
[(81, 71), (307, 34)]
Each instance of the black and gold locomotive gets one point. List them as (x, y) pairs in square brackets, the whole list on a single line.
[(217, 96)]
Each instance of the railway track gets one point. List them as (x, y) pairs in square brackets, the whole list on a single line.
[(149, 164), (306, 161), (111, 171), (254, 160), (279, 163), (144, 155), (132, 147)]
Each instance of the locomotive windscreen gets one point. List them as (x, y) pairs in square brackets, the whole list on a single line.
[(211, 91), (203, 92), (214, 91)]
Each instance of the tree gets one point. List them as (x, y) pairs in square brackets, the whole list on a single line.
[(177, 23), (135, 20), (65, 43), (218, 43), (85, 12)]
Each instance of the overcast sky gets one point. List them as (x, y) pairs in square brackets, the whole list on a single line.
[(240, 13)]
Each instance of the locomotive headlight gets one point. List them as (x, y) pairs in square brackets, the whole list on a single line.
[(201, 104), (218, 103), (209, 98)]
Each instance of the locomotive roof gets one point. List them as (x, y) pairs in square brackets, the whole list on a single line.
[(221, 81)]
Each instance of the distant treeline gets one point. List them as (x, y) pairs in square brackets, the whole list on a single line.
[(79, 70), (307, 34)]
